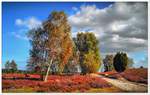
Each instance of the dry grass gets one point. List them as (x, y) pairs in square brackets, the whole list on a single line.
[(112, 89)]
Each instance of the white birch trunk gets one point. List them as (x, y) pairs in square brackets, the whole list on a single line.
[(45, 80)]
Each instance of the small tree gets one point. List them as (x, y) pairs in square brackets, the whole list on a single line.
[(7, 65), (13, 66), (141, 67), (120, 61), (108, 63)]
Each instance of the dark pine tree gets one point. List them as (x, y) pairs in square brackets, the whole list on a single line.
[(120, 61)]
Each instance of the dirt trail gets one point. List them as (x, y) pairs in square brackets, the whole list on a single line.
[(126, 85)]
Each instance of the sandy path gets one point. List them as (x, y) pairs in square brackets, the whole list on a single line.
[(126, 85)]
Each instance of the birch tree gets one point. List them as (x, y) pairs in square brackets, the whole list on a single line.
[(59, 40)]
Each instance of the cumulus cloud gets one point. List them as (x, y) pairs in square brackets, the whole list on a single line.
[(26, 25), (119, 27), (29, 23)]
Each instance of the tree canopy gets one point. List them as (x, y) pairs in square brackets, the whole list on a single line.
[(11, 66), (120, 61), (108, 63), (59, 40), (89, 52)]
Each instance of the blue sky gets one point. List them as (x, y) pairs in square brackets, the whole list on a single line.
[(16, 16)]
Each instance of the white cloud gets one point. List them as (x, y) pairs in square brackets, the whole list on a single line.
[(119, 27), (29, 23), (19, 22), (26, 25), (74, 8), (19, 36)]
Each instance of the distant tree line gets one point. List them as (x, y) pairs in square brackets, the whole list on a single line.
[(10, 67)]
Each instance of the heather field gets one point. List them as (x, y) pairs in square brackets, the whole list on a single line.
[(139, 75), (71, 83), (55, 83)]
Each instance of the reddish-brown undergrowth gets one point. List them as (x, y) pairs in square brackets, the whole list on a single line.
[(56, 83), (135, 75)]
